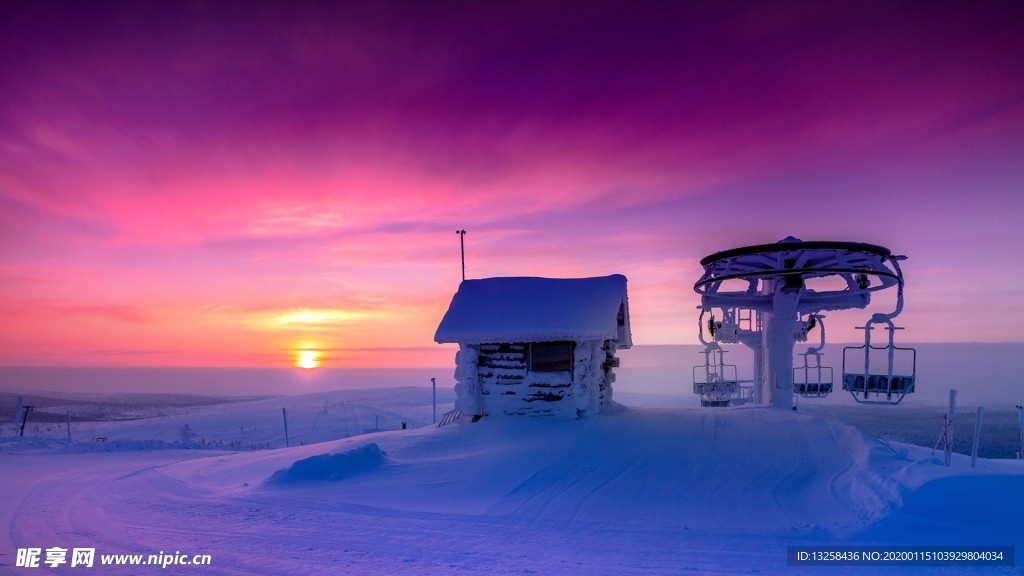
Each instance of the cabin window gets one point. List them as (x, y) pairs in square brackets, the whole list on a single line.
[(551, 356)]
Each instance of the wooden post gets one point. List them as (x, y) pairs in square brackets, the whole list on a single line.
[(977, 436), (433, 386), (284, 413), (24, 419), (947, 429), (1020, 415)]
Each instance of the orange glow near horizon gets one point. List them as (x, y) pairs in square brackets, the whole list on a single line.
[(308, 359)]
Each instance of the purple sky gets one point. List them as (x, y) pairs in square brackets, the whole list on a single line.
[(223, 183)]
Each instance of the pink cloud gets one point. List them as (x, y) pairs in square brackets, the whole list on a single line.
[(190, 175)]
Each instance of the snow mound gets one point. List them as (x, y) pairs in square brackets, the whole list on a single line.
[(328, 467), (941, 501), (750, 470)]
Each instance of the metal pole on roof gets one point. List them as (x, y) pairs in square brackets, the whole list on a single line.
[(462, 249)]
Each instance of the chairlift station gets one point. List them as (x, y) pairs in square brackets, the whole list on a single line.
[(771, 296)]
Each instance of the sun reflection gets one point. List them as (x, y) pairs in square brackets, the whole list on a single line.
[(308, 359)]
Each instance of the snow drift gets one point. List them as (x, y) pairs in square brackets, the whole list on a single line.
[(331, 466), (737, 470)]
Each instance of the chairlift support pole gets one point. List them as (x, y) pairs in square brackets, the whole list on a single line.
[(779, 342)]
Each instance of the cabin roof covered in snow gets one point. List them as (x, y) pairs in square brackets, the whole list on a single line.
[(527, 309)]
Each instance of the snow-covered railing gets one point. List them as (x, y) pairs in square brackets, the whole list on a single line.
[(449, 417)]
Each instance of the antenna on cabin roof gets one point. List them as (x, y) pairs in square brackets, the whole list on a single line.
[(462, 250)]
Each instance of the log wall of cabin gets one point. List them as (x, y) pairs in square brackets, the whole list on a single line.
[(467, 382), (496, 379), (608, 362), (508, 386), (594, 361)]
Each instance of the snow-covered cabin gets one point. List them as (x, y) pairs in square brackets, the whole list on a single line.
[(543, 346)]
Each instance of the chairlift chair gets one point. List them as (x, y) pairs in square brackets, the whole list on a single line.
[(887, 384), (714, 381), (811, 379)]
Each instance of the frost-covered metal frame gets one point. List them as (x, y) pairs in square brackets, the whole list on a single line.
[(794, 263), (785, 283)]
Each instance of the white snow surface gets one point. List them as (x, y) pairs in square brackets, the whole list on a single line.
[(526, 309), (642, 491)]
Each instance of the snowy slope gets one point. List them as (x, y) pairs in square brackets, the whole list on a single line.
[(640, 492)]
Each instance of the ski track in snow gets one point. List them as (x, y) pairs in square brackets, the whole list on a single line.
[(641, 492)]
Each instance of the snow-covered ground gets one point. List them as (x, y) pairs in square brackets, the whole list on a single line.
[(644, 491)]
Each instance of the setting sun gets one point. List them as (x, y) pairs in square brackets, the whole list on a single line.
[(308, 359)]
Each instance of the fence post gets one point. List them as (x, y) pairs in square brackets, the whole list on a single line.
[(977, 436), (1020, 415), (284, 413), (947, 429)]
